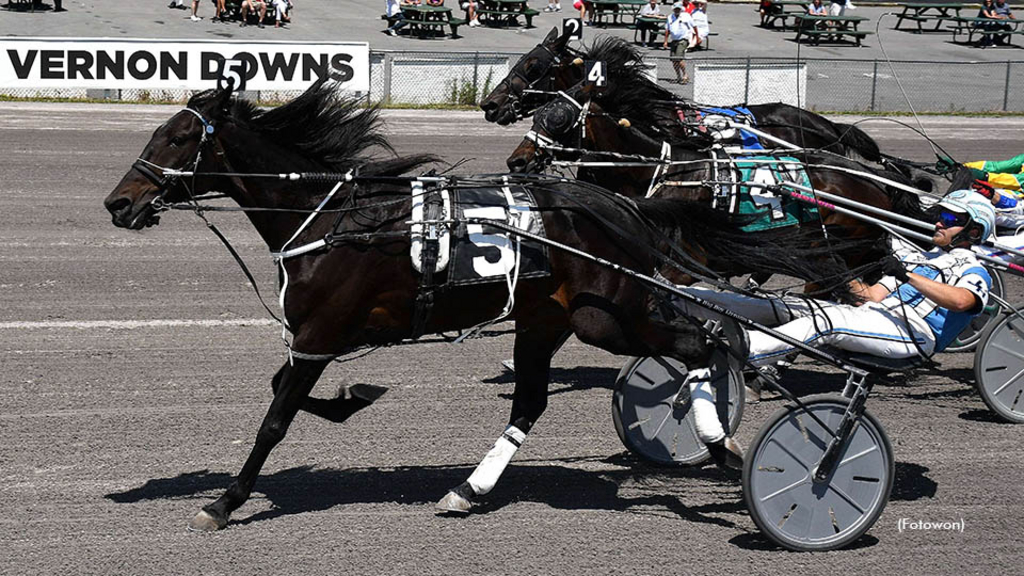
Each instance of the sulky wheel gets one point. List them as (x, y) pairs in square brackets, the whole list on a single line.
[(793, 510), (651, 408), (999, 367), (968, 339)]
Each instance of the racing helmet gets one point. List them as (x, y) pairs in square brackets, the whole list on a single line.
[(978, 208)]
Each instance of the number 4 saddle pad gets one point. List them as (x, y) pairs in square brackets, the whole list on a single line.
[(750, 199)]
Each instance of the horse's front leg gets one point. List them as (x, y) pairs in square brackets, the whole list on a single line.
[(296, 382), (533, 350)]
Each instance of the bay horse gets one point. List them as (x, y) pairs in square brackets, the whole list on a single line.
[(586, 128), (361, 288), (553, 66)]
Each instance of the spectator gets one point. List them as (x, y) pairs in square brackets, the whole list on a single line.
[(393, 10), (254, 5), (838, 7), (553, 6), (177, 5), (221, 9), (1003, 12), (678, 33), (768, 8), (195, 11), (817, 9), (650, 10), (700, 22), (470, 7), (988, 10), (583, 6), (435, 2), (281, 8)]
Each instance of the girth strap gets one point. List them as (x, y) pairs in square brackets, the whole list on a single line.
[(433, 211)]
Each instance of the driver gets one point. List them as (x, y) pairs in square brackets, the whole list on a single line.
[(919, 306), (1000, 174)]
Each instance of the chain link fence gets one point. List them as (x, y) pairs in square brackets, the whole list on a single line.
[(421, 78)]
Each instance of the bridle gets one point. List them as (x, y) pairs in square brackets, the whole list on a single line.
[(514, 97), (163, 181)]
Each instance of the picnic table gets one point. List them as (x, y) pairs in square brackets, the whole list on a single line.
[(505, 12), (922, 12), (615, 9), (650, 25), (780, 10), (986, 28), (426, 20), (834, 28)]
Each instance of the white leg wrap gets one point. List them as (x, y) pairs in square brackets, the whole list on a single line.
[(705, 416), (487, 473)]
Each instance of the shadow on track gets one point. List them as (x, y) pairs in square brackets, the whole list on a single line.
[(644, 489), (565, 380)]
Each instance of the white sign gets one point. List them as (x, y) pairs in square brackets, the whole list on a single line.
[(726, 84), (178, 64)]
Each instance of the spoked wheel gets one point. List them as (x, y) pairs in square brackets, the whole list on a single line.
[(651, 409), (968, 339), (793, 510), (999, 367)]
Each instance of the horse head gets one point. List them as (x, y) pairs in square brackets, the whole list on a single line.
[(181, 144), (550, 60)]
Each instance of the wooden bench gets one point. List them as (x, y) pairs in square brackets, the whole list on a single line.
[(501, 17), (420, 28), (834, 35), (920, 20), (971, 30)]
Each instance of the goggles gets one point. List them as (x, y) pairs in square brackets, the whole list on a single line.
[(950, 219)]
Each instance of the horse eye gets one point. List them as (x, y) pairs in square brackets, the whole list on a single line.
[(177, 141)]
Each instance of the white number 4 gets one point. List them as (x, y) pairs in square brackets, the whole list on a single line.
[(595, 73)]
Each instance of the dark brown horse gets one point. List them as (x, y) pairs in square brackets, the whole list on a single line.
[(360, 287), (571, 129), (553, 66)]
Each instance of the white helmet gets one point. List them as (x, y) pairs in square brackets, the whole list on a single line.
[(978, 208)]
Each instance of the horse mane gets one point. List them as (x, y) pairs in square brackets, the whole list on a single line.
[(631, 94), (325, 126), (790, 252)]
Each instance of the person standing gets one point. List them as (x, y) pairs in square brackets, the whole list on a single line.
[(700, 22), (679, 31)]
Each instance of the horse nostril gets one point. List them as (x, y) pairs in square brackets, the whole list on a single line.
[(516, 163), (488, 105), (118, 205)]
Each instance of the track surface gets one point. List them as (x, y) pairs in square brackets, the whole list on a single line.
[(116, 432)]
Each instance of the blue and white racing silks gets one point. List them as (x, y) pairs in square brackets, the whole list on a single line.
[(959, 268)]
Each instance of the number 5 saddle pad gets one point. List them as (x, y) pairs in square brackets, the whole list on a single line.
[(484, 254)]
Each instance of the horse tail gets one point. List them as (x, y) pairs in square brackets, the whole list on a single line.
[(858, 140)]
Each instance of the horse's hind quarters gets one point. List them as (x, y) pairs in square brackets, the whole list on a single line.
[(206, 522)]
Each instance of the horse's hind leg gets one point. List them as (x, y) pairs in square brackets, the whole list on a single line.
[(533, 349), (294, 382)]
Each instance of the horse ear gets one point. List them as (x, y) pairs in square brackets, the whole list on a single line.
[(220, 103), (552, 36)]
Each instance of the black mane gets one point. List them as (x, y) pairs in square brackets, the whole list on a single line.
[(631, 93), (325, 126)]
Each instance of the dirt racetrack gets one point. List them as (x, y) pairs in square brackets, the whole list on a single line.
[(136, 369)]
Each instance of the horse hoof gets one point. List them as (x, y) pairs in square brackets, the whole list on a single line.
[(206, 522), (452, 503)]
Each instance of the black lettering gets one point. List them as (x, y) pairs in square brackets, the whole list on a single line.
[(317, 64), (79, 64), (211, 63), (342, 71), (279, 65), (52, 65), (251, 65), (22, 67), (133, 65), (113, 65), (168, 64)]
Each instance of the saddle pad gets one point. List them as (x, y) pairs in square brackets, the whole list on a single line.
[(769, 210), (481, 254)]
